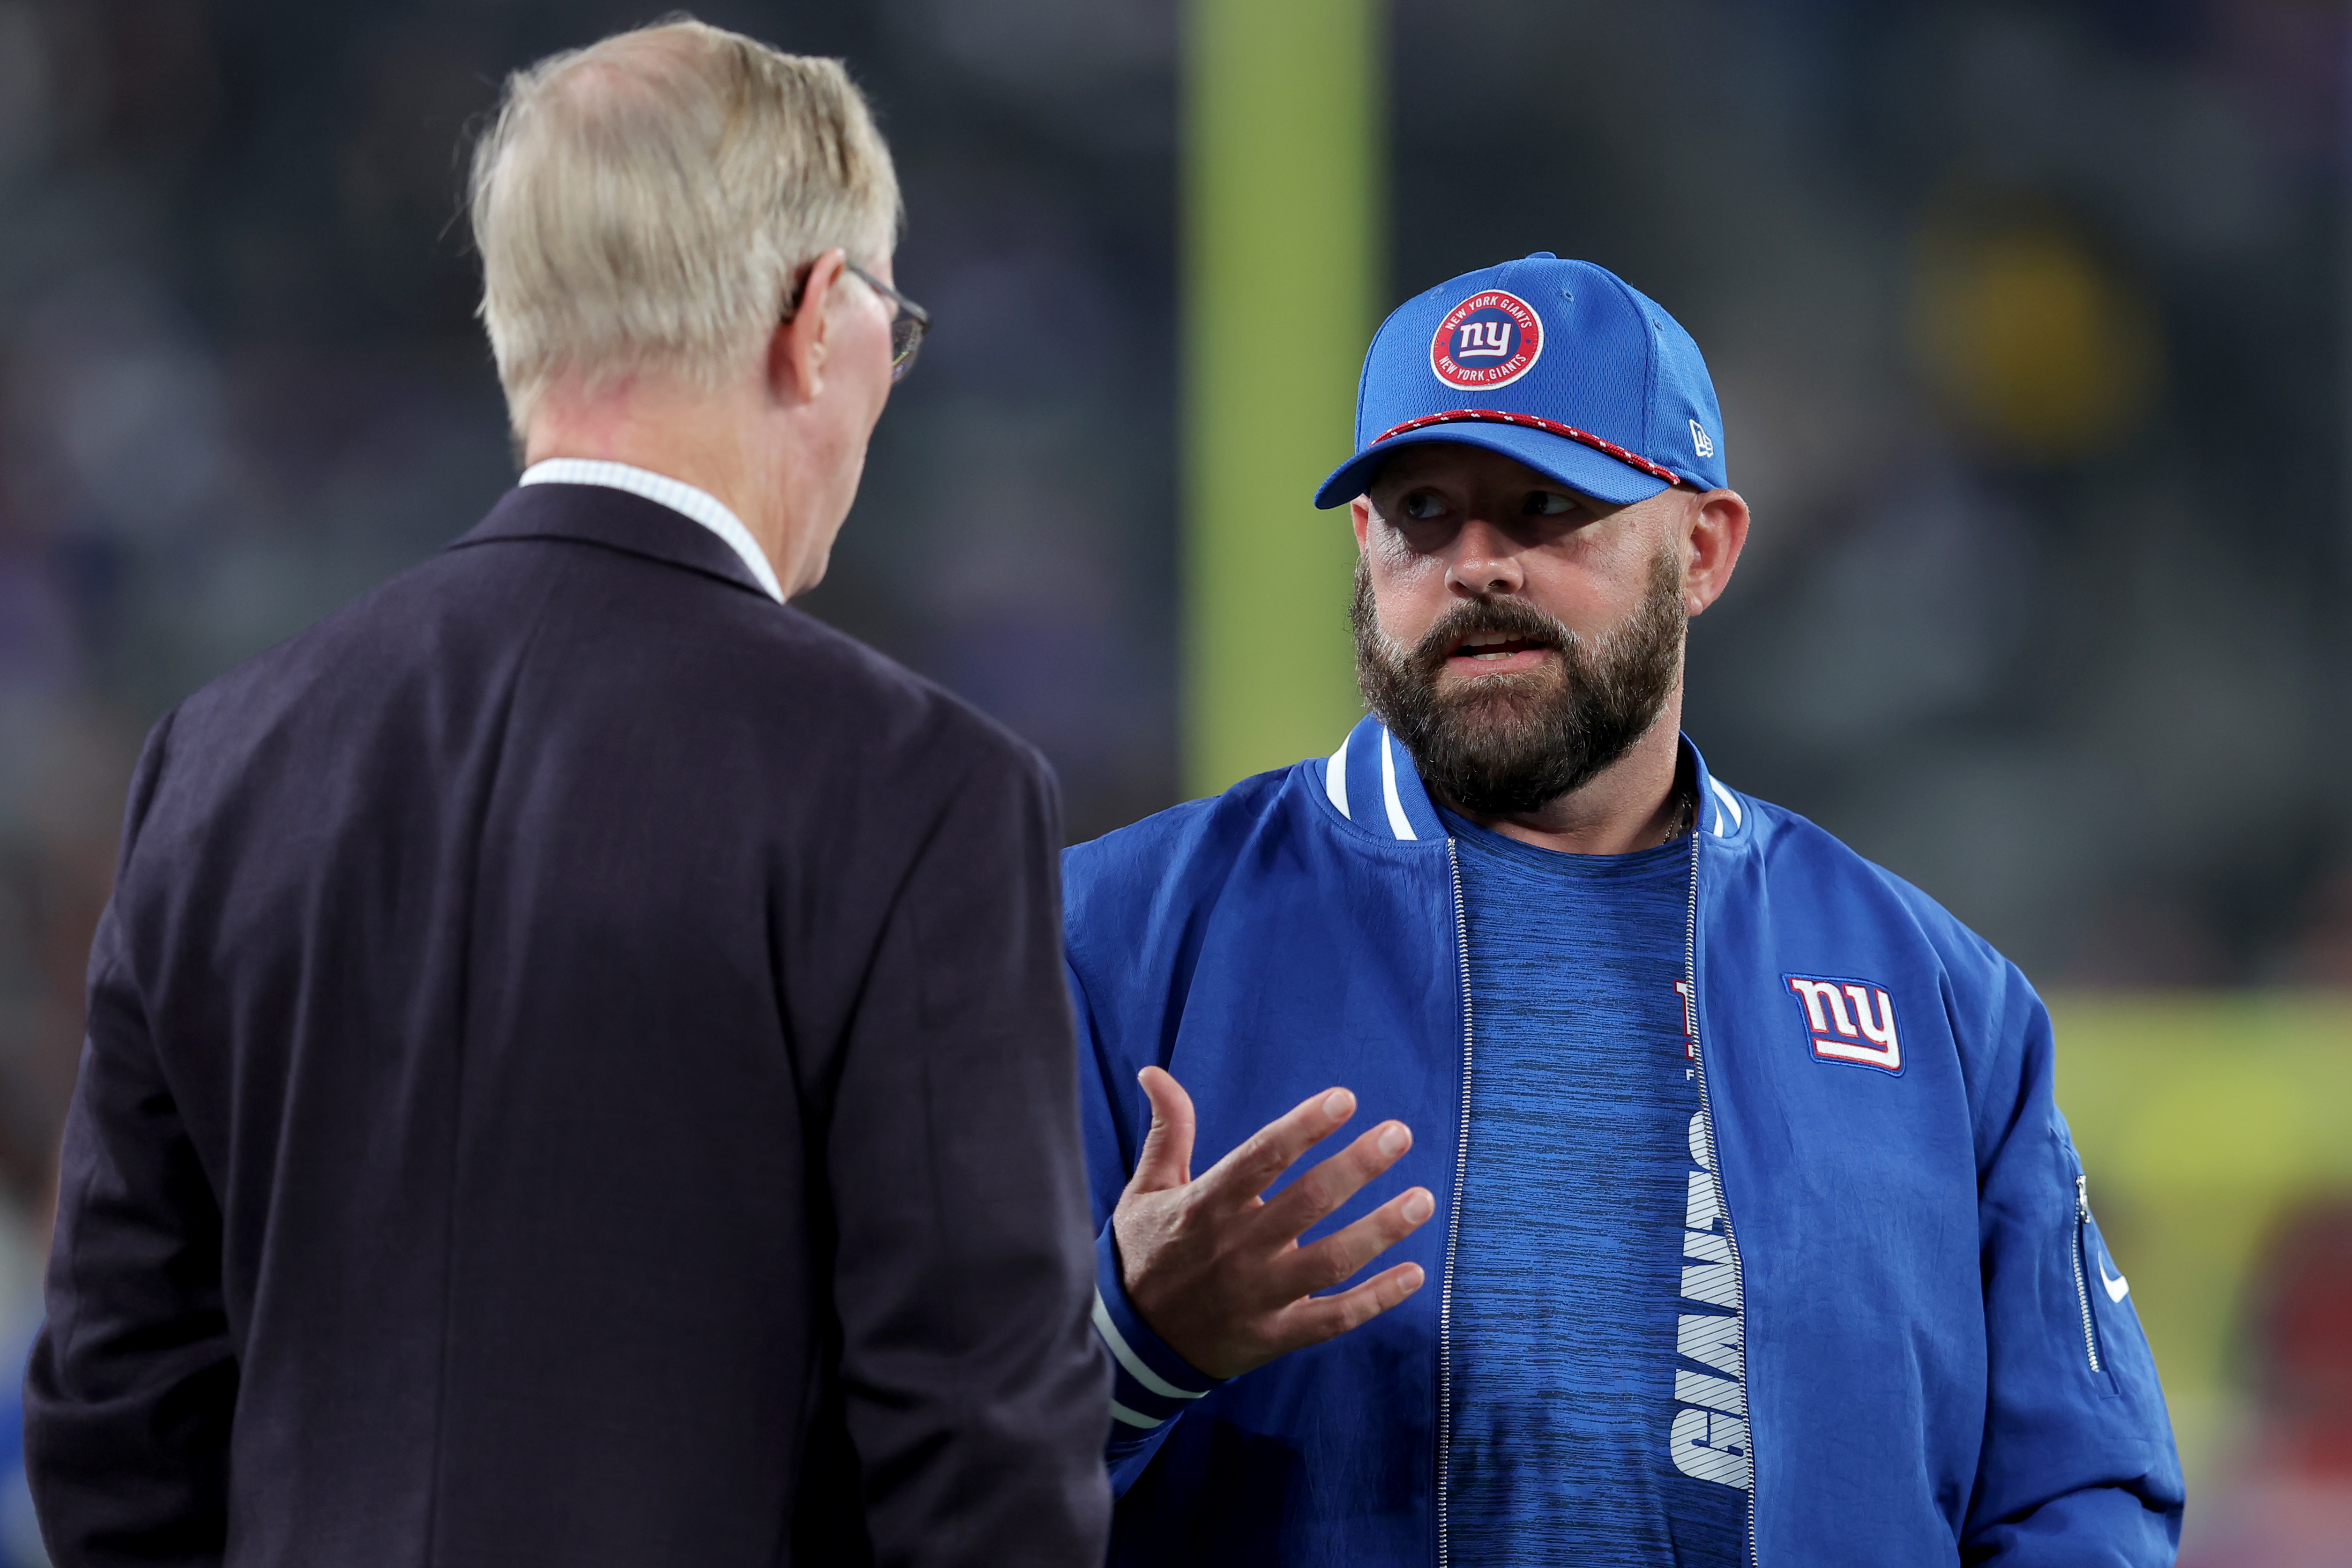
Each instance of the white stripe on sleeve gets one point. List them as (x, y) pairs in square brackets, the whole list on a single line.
[(1126, 1357)]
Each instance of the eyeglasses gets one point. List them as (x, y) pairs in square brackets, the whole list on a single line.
[(909, 321)]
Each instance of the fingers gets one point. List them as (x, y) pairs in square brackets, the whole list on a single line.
[(1339, 1255), (1318, 1318), (1258, 1162), (1338, 1179), (1167, 1158)]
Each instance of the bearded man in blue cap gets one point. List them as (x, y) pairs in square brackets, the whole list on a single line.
[(1758, 1238)]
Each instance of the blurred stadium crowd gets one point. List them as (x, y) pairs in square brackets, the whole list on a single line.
[(2033, 324)]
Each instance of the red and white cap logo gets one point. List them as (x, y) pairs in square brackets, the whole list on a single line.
[(1489, 340)]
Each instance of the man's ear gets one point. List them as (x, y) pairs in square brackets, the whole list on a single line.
[(1719, 531), (797, 349), (1361, 509)]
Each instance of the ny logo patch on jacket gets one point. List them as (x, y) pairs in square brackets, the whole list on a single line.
[(1849, 1021)]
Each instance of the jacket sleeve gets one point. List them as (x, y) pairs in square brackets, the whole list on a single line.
[(2078, 1464), (1152, 1385), (132, 1382), (975, 1394)]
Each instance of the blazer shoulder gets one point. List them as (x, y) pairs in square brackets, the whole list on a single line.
[(914, 718), (465, 615), (363, 634)]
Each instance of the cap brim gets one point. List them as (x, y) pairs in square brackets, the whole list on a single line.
[(1584, 470)]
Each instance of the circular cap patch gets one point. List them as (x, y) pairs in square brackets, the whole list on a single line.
[(1489, 340)]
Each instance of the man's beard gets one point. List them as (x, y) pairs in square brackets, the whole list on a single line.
[(1498, 745)]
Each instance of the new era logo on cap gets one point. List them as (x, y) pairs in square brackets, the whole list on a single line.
[(1558, 363)]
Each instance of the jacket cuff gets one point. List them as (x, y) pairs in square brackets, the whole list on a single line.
[(1154, 1381)]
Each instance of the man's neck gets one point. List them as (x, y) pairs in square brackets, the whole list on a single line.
[(1630, 805), (697, 438)]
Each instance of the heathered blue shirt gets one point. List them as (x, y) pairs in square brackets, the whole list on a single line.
[(1568, 1310)]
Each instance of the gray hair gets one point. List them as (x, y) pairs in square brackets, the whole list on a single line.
[(647, 203)]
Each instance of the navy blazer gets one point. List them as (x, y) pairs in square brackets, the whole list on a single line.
[(578, 1073)]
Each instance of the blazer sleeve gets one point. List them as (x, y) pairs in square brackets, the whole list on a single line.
[(976, 1394), (2078, 1464), (133, 1380)]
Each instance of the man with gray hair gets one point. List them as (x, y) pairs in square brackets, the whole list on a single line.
[(578, 1068)]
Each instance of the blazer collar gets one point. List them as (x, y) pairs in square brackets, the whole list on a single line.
[(598, 514), (1372, 782)]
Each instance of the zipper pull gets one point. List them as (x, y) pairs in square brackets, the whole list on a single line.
[(2082, 1198)]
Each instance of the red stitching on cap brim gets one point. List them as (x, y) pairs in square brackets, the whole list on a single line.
[(1529, 422)]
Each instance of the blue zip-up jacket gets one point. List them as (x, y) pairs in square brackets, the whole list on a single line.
[(1937, 1359)]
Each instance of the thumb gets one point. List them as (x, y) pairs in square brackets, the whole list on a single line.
[(1167, 1158)]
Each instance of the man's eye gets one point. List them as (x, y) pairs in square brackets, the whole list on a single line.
[(1549, 504), (1420, 506)]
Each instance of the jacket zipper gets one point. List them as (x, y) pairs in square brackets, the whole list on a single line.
[(1722, 1189), (2082, 1286), (1452, 1220)]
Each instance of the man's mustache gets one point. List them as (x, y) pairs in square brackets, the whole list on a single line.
[(1507, 617)]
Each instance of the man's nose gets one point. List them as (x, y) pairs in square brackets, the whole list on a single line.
[(1484, 561)]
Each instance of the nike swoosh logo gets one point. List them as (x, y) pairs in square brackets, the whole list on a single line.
[(2118, 1287)]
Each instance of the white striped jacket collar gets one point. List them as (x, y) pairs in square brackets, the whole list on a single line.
[(1372, 782)]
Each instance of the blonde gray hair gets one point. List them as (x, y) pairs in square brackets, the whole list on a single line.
[(647, 203)]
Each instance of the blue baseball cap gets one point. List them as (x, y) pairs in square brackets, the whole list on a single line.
[(1561, 364)]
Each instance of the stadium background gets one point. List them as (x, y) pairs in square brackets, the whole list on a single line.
[(2033, 331)]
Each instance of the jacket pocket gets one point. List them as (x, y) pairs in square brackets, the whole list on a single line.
[(2090, 1276)]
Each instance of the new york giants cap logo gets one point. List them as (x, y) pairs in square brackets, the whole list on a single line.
[(1487, 341), (1849, 1021)]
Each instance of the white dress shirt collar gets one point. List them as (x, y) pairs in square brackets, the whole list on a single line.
[(676, 494)]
